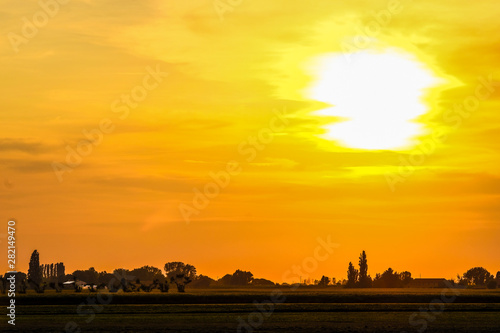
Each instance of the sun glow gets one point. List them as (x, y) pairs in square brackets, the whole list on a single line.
[(376, 95)]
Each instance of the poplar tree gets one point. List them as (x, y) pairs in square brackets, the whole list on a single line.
[(34, 271), (364, 280)]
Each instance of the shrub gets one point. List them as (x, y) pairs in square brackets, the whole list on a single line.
[(492, 284)]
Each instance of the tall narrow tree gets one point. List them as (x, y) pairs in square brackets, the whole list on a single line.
[(364, 280), (60, 269), (34, 270), (352, 276)]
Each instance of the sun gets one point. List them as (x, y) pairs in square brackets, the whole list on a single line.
[(377, 95)]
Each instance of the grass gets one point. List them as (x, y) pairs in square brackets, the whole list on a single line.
[(304, 310)]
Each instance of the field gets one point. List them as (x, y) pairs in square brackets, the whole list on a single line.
[(285, 310)]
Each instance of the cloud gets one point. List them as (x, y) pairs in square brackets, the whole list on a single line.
[(30, 146), (151, 183)]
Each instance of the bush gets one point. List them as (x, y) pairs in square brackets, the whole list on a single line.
[(492, 284)]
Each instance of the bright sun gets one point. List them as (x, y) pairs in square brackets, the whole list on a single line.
[(378, 95)]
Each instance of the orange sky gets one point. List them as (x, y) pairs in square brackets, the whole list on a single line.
[(229, 74)]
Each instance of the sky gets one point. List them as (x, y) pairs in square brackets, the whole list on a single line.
[(117, 116)]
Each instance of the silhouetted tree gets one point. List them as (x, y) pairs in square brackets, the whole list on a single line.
[(76, 286), (93, 276), (121, 272), (364, 280), (241, 278), (161, 284), (60, 270), (124, 283), (202, 281), (238, 278), (225, 280), (20, 279), (3, 284), (352, 276), (21, 282), (58, 286), (388, 279), (180, 274), (477, 276), (89, 276), (405, 278), (126, 286), (53, 275), (324, 281), (147, 273), (262, 283), (105, 278), (492, 284), (34, 271), (53, 270), (461, 281), (35, 274), (113, 284)]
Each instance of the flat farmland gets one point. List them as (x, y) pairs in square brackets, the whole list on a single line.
[(261, 310)]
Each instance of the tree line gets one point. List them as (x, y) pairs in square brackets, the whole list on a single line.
[(146, 279), (179, 275), (359, 278)]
